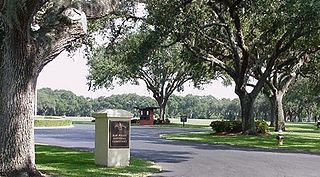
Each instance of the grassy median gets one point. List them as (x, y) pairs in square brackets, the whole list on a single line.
[(299, 137), (67, 162)]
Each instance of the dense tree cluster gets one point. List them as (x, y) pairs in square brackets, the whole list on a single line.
[(300, 104), (66, 103), (63, 102)]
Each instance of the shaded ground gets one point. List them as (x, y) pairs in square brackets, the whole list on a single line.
[(190, 159)]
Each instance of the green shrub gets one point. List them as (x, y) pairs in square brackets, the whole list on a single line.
[(262, 127), (235, 126), (52, 122), (226, 126)]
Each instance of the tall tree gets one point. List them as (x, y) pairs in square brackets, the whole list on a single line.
[(242, 37), (279, 82), (303, 96), (163, 70), (33, 33)]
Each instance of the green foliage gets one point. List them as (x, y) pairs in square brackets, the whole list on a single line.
[(136, 59), (302, 100), (242, 38), (180, 125), (226, 126), (52, 122), (58, 161), (235, 126), (203, 107), (62, 102), (261, 127), (147, 53)]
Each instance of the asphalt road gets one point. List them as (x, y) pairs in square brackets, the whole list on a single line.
[(194, 159)]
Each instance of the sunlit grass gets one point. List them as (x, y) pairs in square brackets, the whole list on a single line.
[(300, 137), (83, 122), (68, 162), (180, 125), (301, 127)]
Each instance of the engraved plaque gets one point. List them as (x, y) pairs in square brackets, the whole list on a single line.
[(119, 134)]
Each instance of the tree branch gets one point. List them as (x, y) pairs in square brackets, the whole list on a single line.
[(60, 29), (96, 9), (230, 34), (207, 57), (285, 82)]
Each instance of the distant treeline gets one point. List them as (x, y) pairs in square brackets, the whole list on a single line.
[(63, 102)]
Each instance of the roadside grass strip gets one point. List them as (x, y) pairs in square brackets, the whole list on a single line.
[(68, 162), (298, 137)]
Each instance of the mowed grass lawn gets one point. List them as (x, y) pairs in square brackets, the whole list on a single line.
[(180, 125), (67, 162), (299, 137)]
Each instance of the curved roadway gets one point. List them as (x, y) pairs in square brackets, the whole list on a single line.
[(194, 159)]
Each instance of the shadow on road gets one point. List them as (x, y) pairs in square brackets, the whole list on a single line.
[(162, 155), (207, 146)]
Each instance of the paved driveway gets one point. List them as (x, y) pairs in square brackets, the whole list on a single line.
[(193, 159)]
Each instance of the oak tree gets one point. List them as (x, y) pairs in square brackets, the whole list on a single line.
[(33, 33), (164, 69), (242, 38)]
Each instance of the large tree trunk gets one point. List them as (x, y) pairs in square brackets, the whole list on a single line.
[(162, 103), (247, 116), (279, 121), (272, 113), (24, 52), (162, 112), (18, 80)]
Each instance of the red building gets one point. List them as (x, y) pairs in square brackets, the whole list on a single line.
[(146, 115)]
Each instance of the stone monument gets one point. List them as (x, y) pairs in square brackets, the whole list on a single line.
[(112, 137)]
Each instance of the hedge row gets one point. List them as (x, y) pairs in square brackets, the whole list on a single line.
[(235, 126), (52, 122)]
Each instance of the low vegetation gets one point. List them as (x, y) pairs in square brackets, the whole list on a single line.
[(180, 125), (58, 161), (52, 122), (298, 137), (235, 126), (47, 117)]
